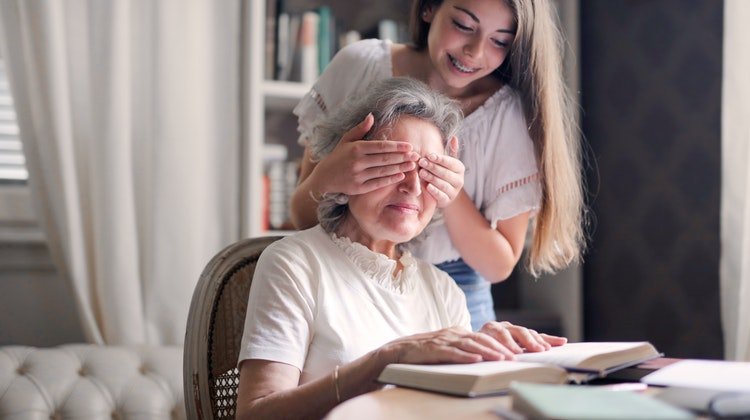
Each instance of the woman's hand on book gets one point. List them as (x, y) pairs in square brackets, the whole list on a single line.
[(450, 345), (519, 339)]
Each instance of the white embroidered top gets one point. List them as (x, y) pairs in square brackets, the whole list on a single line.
[(501, 167), (318, 301)]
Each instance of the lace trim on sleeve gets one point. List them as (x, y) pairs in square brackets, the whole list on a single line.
[(318, 100), (514, 198), (517, 183)]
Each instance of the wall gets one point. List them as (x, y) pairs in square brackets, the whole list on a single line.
[(651, 90), (37, 306)]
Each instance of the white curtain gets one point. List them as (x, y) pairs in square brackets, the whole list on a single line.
[(735, 194), (129, 117)]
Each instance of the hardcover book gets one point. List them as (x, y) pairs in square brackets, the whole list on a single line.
[(539, 401), (470, 380), (570, 362)]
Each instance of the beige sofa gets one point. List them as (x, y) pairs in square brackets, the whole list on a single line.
[(85, 381)]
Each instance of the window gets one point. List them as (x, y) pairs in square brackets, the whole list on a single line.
[(17, 220), (12, 162)]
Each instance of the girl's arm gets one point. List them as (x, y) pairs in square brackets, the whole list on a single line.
[(492, 252)]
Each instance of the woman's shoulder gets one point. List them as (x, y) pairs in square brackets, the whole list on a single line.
[(361, 52), (502, 114), (302, 244), (352, 69)]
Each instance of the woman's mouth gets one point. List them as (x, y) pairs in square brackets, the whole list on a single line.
[(405, 208), (460, 66)]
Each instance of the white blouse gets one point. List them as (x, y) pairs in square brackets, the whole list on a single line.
[(502, 176), (318, 301)]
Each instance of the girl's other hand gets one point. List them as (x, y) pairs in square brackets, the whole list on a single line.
[(444, 174), (518, 338), (357, 166)]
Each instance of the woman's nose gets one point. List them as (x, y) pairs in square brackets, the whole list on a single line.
[(411, 184), (474, 47)]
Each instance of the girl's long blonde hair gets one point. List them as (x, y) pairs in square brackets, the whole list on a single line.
[(534, 69)]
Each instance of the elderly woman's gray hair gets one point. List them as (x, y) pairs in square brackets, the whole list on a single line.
[(387, 100)]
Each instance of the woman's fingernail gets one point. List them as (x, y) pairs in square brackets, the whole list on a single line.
[(432, 156), (423, 162)]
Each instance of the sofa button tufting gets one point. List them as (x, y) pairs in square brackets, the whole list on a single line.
[(81, 372), (143, 370), (21, 370)]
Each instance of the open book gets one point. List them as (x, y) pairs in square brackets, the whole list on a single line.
[(595, 358), (552, 367)]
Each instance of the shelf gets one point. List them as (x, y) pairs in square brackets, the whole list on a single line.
[(283, 95)]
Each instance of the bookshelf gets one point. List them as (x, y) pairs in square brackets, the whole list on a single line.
[(262, 95), (270, 102)]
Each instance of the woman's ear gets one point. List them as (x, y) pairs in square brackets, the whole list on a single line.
[(453, 147), (427, 14)]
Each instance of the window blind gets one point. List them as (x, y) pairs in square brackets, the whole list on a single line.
[(12, 161)]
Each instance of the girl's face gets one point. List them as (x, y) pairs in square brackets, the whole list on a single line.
[(468, 39)]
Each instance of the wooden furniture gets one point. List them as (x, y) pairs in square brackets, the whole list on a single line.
[(406, 404), (214, 330)]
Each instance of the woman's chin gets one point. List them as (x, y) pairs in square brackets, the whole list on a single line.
[(403, 233)]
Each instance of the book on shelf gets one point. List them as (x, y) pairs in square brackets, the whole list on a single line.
[(308, 47), (326, 37), (542, 401), (571, 362)]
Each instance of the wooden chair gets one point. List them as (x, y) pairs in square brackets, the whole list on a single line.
[(214, 330)]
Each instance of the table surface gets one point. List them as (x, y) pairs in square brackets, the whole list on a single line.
[(404, 403)]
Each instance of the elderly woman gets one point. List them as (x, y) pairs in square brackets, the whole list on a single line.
[(331, 306)]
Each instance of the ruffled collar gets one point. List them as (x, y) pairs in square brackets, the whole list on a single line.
[(379, 267)]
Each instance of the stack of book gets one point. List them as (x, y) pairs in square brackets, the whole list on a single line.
[(280, 182), (573, 362)]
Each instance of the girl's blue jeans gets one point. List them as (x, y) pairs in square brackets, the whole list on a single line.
[(476, 289)]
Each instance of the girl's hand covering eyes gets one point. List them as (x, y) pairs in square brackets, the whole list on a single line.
[(357, 166), (444, 174)]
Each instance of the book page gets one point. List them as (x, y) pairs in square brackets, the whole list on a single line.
[(572, 354), (704, 374)]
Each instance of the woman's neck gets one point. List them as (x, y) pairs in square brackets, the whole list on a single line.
[(351, 229)]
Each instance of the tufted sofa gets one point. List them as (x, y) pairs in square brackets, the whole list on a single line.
[(85, 381)]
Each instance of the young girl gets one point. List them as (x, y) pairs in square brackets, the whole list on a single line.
[(502, 61)]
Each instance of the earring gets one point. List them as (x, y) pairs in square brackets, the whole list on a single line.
[(424, 14)]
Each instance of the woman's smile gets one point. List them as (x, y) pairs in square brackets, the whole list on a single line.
[(405, 208), (462, 67)]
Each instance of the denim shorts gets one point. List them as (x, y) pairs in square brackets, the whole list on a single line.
[(476, 289)]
